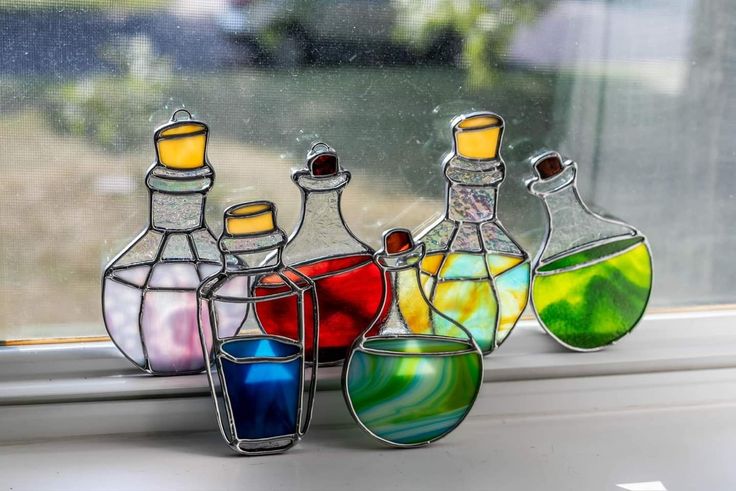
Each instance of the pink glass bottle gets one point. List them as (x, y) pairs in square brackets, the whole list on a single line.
[(348, 282), (149, 292)]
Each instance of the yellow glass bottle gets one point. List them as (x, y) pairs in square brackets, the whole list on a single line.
[(474, 272)]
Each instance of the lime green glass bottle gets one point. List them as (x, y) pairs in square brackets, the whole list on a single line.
[(474, 272), (592, 278)]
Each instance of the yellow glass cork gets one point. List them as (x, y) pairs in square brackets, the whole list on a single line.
[(478, 136), (251, 218), (182, 145)]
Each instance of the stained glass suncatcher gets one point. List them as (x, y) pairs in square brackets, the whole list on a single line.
[(593, 277), (408, 389), (324, 248), (474, 272), (259, 378), (149, 290)]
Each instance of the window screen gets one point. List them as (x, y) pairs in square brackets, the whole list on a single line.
[(639, 93)]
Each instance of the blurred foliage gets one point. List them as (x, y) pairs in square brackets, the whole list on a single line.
[(113, 109), (19, 93), (486, 28)]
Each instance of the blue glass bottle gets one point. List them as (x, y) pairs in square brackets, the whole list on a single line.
[(258, 378)]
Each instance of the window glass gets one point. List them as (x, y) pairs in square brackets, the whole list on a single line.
[(639, 93)]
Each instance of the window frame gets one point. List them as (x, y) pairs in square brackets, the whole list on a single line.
[(83, 388)]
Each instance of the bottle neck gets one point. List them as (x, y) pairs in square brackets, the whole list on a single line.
[(177, 212), (322, 207), (178, 196), (394, 322), (471, 203), (321, 232), (321, 199), (561, 201), (572, 225), (401, 275), (254, 263)]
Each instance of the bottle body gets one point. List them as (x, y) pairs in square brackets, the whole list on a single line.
[(150, 299), (591, 298), (348, 295), (149, 296), (259, 378), (484, 287), (406, 394), (593, 277)]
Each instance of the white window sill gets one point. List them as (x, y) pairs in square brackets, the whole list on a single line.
[(93, 379), (657, 406)]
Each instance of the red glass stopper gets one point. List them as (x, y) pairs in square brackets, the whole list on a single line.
[(549, 166), (398, 241), (324, 165)]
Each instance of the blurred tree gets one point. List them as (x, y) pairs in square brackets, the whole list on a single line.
[(485, 28)]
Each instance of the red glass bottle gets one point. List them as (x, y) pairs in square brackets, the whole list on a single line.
[(322, 247)]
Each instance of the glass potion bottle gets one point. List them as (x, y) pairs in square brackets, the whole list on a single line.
[(474, 272), (149, 299), (403, 388), (593, 276), (258, 379), (348, 282)]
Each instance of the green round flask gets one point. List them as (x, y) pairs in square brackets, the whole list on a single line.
[(408, 389), (592, 279)]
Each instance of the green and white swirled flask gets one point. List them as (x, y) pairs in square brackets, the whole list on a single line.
[(403, 388)]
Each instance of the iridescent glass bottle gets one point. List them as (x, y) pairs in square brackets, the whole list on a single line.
[(593, 276), (258, 380), (403, 388), (474, 272), (149, 290), (348, 282)]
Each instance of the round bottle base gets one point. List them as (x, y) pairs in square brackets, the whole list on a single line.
[(592, 298)]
